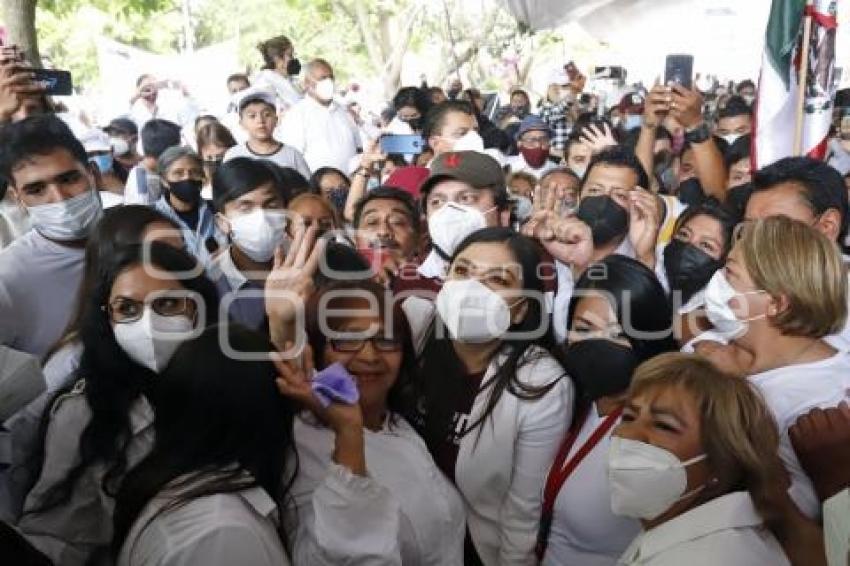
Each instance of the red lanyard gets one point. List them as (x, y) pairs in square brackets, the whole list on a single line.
[(559, 472)]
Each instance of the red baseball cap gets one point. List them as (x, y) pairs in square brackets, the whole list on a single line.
[(408, 179)]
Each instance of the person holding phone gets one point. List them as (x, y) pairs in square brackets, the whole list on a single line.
[(20, 94)]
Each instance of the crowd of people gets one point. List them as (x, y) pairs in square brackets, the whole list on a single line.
[(564, 333)]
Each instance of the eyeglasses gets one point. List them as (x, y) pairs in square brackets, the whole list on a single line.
[(380, 343), (124, 310)]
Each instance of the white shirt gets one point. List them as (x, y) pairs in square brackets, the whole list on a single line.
[(792, 391), (584, 530), (836, 528), (725, 531), (224, 529), (325, 135), (39, 280), (287, 94), (517, 163), (432, 522), (286, 156)]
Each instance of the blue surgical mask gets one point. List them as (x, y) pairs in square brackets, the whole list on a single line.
[(103, 162)]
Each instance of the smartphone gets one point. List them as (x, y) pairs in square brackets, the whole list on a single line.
[(680, 70), (56, 82), (402, 144)]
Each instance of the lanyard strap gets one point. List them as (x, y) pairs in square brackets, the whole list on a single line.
[(559, 472)]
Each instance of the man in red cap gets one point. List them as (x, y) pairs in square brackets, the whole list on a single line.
[(465, 192), (631, 111)]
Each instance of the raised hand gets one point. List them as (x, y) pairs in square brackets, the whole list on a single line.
[(644, 225), (685, 105), (598, 138), (821, 439), (16, 83), (569, 240)]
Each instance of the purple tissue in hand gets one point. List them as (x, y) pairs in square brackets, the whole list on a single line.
[(335, 384)]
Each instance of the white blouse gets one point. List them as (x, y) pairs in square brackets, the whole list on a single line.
[(725, 531), (432, 523), (584, 530), (793, 391)]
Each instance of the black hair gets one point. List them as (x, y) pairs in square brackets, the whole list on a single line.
[(113, 381), (319, 174), (821, 186), (340, 259), (412, 96), (120, 226), (217, 417), (238, 77), (158, 135), (735, 106), (738, 150), (241, 175), (633, 291), (723, 214), (290, 180), (586, 119), (441, 371), (618, 156), (436, 116), (559, 171), (744, 84), (274, 47), (343, 297), (391, 193), (37, 135)]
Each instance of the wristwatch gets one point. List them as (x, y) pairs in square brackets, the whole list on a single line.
[(698, 134)]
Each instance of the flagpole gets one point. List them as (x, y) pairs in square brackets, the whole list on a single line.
[(803, 78)]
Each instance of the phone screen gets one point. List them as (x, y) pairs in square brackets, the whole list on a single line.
[(56, 82), (679, 69)]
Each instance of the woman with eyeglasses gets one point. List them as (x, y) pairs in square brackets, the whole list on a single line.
[(354, 327), (120, 226), (491, 403), (145, 302)]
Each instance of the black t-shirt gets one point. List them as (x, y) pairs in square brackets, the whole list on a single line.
[(445, 453)]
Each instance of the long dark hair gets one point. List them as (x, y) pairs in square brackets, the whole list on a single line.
[(120, 226), (442, 372), (113, 381), (638, 300), (217, 417), (343, 296), (727, 219)]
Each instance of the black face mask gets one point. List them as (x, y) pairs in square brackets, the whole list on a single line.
[(607, 219), (690, 192), (737, 198), (600, 367), (688, 268), (187, 190), (293, 67)]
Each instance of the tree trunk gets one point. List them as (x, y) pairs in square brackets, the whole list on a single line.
[(19, 16)]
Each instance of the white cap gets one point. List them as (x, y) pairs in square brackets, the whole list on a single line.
[(251, 94), (95, 140)]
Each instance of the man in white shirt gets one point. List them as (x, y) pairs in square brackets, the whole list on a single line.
[(146, 105), (318, 127), (534, 139), (47, 170)]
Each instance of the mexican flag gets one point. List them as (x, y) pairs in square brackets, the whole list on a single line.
[(778, 96)]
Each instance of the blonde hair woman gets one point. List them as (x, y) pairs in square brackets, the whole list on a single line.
[(695, 460), (784, 288)]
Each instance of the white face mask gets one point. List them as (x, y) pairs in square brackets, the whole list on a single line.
[(152, 340), (718, 293), (452, 223), (258, 233), (645, 480), (67, 220), (325, 89), (472, 312), (119, 146), (632, 121), (523, 207), (579, 170), (470, 141), (749, 98), (731, 138)]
